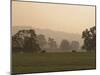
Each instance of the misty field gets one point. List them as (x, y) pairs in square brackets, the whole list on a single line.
[(50, 62)]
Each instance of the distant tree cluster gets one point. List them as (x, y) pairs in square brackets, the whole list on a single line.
[(65, 45), (89, 36), (50, 43)]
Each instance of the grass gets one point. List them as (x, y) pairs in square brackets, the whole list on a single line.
[(50, 62)]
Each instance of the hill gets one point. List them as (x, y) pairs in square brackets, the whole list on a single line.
[(57, 35)]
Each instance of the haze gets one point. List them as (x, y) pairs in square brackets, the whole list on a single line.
[(58, 17)]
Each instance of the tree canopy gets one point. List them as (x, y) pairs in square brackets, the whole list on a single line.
[(65, 45), (89, 36), (26, 41)]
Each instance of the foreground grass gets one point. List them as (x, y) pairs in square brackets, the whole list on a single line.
[(47, 62)]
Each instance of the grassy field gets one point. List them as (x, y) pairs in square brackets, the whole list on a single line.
[(49, 62)]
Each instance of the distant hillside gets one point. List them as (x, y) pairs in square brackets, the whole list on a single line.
[(57, 35), (15, 29)]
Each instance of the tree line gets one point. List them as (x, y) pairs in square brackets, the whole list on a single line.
[(51, 44), (29, 41)]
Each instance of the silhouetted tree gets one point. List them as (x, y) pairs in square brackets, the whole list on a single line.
[(17, 42), (42, 41), (89, 37), (26, 40), (65, 45), (74, 45), (52, 43)]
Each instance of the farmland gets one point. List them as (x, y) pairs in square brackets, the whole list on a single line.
[(49, 62)]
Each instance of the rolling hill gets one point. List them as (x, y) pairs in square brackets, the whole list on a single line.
[(57, 35)]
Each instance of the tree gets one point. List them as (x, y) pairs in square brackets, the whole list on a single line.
[(65, 45), (74, 45), (17, 42), (89, 37), (42, 41), (26, 40), (52, 43)]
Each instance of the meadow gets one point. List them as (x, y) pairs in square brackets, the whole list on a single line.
[(52, 62)]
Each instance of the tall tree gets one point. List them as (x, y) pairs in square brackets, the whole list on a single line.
[(65, 45), (89, 37), (42, 41), (52, 43), (74, 45)]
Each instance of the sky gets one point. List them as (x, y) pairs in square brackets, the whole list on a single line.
[(58, 17)]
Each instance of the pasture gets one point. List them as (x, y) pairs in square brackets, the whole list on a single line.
[(50, 62)]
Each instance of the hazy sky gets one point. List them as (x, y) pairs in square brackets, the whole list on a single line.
[(59, 17)]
